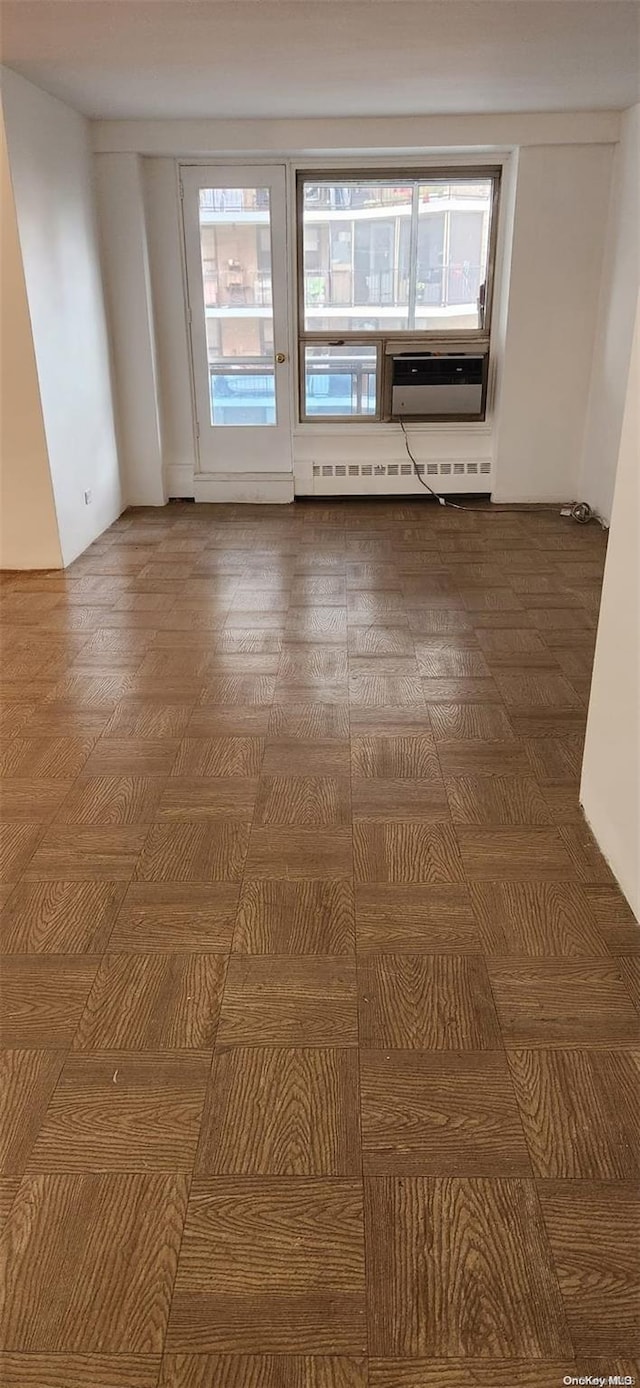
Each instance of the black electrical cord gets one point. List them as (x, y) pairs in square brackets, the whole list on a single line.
[(578, 512), (419, 474)]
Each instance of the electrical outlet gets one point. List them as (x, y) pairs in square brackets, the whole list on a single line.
[(88, 497)]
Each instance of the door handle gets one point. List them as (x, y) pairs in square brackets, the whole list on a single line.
[(280, 357)]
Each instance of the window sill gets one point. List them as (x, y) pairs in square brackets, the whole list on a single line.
[(391, 428)]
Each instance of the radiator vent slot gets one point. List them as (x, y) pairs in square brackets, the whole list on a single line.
[(402, 469)]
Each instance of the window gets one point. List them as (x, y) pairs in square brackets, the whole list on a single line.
[(380, 257), (235, 245), (340, 381)]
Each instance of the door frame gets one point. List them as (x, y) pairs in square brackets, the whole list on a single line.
[(272, 468)]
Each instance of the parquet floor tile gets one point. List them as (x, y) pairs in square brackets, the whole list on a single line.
[(399, 798), (426, 1002), (514, 854), (183, 851), (208, 797), (121, 1111), (303, 801), (153, 1002), (483, 758), (173, 916), (43, 997), (299, 853), (454, 722), (33, 801), (307, 999), (590, 1224), (281, 1112), (297, 918), (489, 1373), (129, 756), (105, 1302), (426, 1114), (319, 1004), (398, 919), (561, 1002), (79, 1370), (537, 918), (111, 800), (53, 917), (27, 1081), (267, 1265), (259, 1371), (219, 756), (556, 1089), (405, 851), (489, 800), (394, 757), (438, 1247), (291, 756), (17, 846)]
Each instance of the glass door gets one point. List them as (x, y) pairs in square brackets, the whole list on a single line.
[(235, 238)]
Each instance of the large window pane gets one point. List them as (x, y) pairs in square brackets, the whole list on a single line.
[(355, 254), (453, 247), (235, 242), (339, 381), (381, 256)]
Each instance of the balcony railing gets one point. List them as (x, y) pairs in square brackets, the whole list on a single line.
[(332, 387), (446, 286), (234, 199)]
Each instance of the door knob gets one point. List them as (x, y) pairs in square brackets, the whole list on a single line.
[(280, 357)]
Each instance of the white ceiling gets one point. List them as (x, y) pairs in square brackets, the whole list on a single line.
[(253, 58)]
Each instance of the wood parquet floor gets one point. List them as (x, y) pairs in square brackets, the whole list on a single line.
[(319, 1009)]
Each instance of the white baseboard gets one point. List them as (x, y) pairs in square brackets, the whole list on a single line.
[(179, 480), (272, 488)]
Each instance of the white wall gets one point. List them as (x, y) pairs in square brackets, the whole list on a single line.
[(615, 324), (164, 230), (553, 222), (354, 135), (125, 261), (560, 218), (610, 789), (52, 175), (28, 523)]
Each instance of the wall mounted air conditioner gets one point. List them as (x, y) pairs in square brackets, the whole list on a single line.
[(443, 385)]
